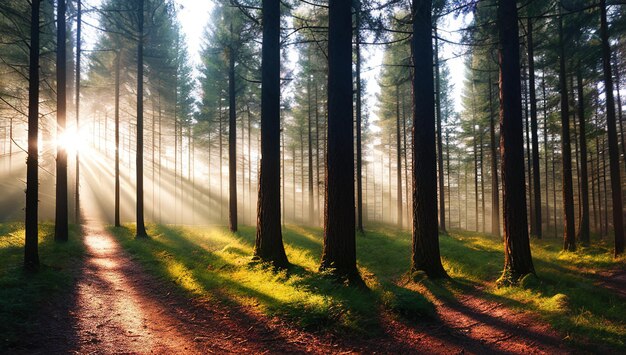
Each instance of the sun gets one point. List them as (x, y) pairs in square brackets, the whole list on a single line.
[(71, 140)]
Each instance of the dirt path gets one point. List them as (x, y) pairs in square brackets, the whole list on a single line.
[(116, 307)]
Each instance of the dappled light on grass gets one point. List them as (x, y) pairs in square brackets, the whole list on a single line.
[(216, 264)]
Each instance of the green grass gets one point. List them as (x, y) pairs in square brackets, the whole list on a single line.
[(22, 294), (214, 263)]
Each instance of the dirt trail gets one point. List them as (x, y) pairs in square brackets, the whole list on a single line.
[(116, 307)]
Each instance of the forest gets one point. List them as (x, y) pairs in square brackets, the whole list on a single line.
[(312, 176)]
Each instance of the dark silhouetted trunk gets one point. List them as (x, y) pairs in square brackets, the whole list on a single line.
[(545, 145), (339, 251), (517, 257), (311, 201), (232, 142), (569, 242), (79, 26), (269, 242), (535, 228), (616, 188), (141, 229), (31, 254), (61, 216), (583, 226), (117, 141), (425, 254)]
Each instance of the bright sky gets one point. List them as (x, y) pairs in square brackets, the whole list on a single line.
[(194, 17)]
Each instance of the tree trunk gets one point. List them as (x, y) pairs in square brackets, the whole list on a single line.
[(545, 145), (310, 155), (359, 158), (61, 215), (232, 142), (535, 228), (425, 254), (616, 187), (569, 242), (339, 251), (79, 26), (141, 229), (517, 257), (117, 141), (31, 254), (269, 241), (583, 227), (398, 162), (495, 190), (442, 200)]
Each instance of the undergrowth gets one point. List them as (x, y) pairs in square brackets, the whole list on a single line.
[(214, 263), (22, 294)]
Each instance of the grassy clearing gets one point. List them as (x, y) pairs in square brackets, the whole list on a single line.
[(22, 293), (212, 262)]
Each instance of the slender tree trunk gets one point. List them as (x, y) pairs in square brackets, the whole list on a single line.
[(442, 200), (545, 145), (517, 256), (535, 228), (141, 229), (269, 243), (117, 141), (569, 242), (425, 254), (61, 216), (495, 190), (31, 254), (79, 26), (619, 109), (359, 158), (398, 161), (583, 227), (529, 178), (317, 159), (232, 142), (616, 187), (339, 250), (310, 154)]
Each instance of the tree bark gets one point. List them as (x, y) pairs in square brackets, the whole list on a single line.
[(442, 200), (495, 190), (339, 250), (141, 229), (517, 257), (269, 241), (583, 226), (232, 141), (31, 253), (616, 188), (425, 254), (359, 158), (569, 242), (61, 215), (79, 14), (398, 162), (117, 142), (535, 228)]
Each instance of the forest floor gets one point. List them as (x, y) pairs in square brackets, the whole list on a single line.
[(128, 301)]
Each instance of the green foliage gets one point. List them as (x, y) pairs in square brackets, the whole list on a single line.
[(22, 294)]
